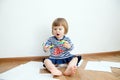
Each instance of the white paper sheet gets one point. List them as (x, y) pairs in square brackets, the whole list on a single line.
[(28, 71), (111, 64), (97, 66)]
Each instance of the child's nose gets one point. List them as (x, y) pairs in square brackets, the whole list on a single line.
[(58, 30)]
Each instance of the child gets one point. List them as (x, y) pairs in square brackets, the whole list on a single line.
[(60, 46)]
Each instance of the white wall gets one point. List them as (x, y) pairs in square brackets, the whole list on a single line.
[(26, 24)]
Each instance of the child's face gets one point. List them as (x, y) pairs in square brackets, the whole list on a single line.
[(58, 31)]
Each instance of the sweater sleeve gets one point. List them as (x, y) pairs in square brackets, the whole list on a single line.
[(70, 42), (48, 42)]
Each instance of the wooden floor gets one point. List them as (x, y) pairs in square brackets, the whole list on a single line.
[(80, 74)]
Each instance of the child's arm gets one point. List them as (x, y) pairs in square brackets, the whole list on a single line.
[(46, 48), (68, 44), (48, 45)]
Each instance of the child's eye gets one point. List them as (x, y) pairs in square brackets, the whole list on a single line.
[(55, 29), (60, 29)]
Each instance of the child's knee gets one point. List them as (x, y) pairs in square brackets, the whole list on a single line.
[(46, 60), (75, 58)]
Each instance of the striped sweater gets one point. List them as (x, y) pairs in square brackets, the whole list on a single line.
[(57, 51)]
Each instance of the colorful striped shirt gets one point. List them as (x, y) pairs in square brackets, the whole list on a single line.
[(57, 51)]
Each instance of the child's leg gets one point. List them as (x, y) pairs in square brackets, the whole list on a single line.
[(51, 67), (71, 68)]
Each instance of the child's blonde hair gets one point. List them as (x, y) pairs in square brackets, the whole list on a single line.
[(60, 22)]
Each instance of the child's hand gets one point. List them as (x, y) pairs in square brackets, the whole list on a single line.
[(46, 48), (66, 45)]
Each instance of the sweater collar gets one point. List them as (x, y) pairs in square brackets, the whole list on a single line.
[(59, 39)]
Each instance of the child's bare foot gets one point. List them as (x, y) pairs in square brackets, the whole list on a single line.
[(70, 71), (56, 72)]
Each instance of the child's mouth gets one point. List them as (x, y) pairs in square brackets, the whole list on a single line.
[(58, 34)]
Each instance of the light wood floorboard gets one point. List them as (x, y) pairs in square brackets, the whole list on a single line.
[(80, 74)]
